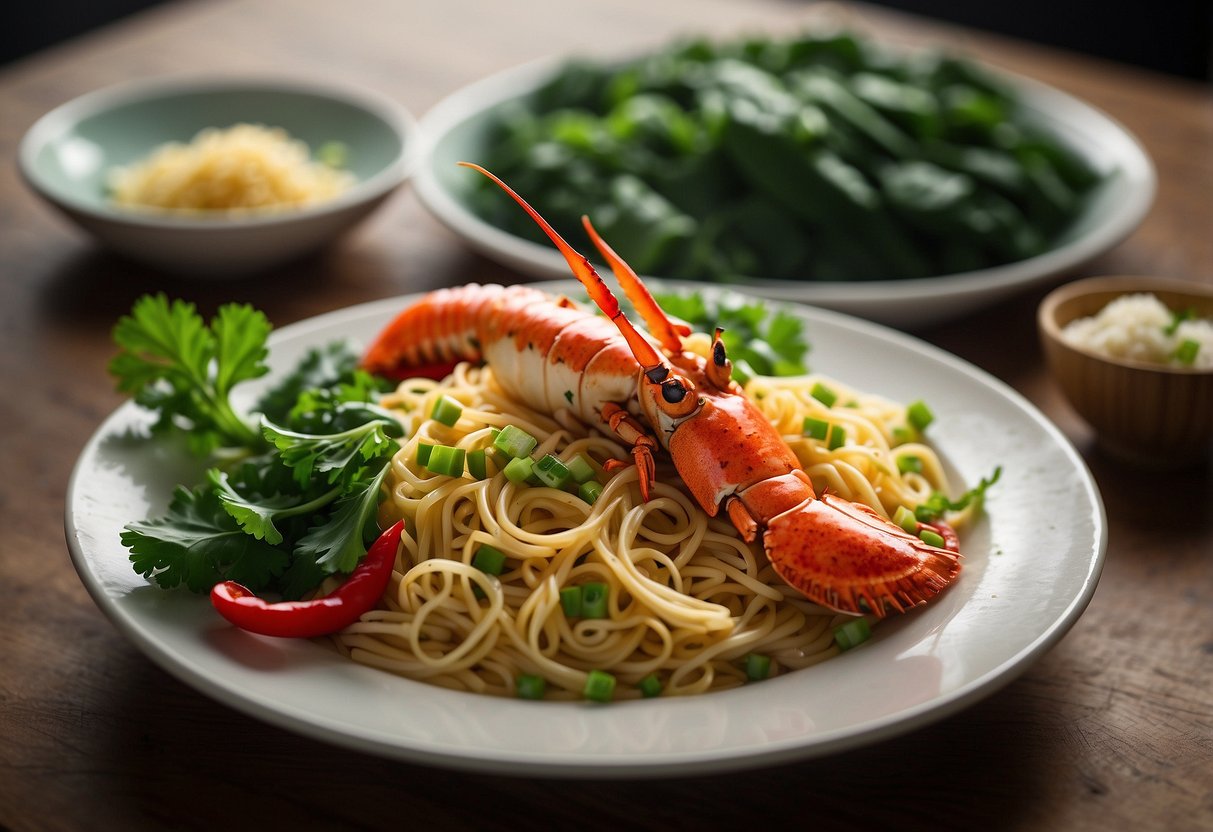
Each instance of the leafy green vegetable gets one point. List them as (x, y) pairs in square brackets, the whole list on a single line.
[(336, 457), (772, 343), (338, 543), (815, 157), (321, 368), (300, 504), (173, 363), (199, 544)]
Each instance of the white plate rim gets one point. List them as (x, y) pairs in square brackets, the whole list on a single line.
[(868, 298), (673, 763)]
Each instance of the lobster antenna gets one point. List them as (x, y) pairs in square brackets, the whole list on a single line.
[(667, 332), (599, 292)]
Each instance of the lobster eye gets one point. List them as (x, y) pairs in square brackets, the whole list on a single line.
[(673, 391), (718, 354), (719, 370), (678, 397)]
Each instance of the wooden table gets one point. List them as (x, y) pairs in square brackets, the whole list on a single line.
[(1111, 730)]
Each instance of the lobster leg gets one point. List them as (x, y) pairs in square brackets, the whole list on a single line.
[(745, 523), (627, 428)]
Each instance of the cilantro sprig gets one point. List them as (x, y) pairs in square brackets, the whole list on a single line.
[(770, 343), (176, 365), (301, 502), (939, 503)]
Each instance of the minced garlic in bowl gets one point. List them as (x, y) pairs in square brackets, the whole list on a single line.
[(1139, 327), (243, 168)]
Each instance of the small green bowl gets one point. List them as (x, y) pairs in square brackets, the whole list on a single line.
[(68, 153)]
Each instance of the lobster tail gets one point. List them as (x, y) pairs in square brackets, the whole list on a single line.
[(433, 335)]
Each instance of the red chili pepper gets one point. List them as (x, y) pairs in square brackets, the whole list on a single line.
[(319, 616)]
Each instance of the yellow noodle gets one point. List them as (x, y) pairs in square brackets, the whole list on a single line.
[(688, 599)]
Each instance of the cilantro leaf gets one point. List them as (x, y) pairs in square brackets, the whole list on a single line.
[(300, 578), (320, 368), (772, 344), (256, 516), (240, 351), (301, 503), (177, 366), (337, 456), (338, 543), (199, 544), (341, 406)]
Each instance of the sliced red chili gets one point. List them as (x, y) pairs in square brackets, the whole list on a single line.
[(319, 616)]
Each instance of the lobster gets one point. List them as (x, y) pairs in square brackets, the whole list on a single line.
[(651, 394)]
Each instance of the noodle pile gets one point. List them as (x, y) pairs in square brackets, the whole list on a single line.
[(688, 599)]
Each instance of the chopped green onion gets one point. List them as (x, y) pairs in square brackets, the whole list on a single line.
[(518, 471), (493, 434), (446, 460), (919, 415), (838, 437), (906, 519), (594, 600), (489, 560), (530, 686), (938, 502), (570, 601), (757, 667), (580, 469), (514, 442), (447, 411), (1187, 350), (333, 154), (551, 471), (909, 464), (1178, 318), (423, 453), (743, 372), (815, 428), (823, 394), (902, 435), (590, 491), (477, 464), (854, 632), (599, 686), (650, 686), (931, 538)]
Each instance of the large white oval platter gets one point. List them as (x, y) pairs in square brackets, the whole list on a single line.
[(1031, 567)]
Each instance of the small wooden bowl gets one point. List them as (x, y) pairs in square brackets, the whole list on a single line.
[(1151, 415)]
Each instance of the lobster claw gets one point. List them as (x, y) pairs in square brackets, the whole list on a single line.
[(840, 554)]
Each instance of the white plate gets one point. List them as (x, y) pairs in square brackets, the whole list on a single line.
[(457, 128), (1031, 567)]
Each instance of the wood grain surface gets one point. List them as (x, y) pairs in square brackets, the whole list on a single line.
[(1111, 730)]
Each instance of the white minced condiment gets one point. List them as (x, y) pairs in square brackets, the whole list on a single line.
[(1135, 327)]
